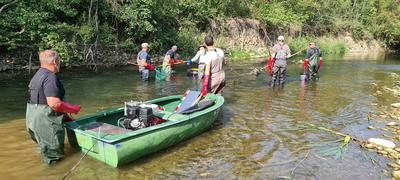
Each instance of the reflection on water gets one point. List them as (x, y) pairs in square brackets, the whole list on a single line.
[(249, 139)]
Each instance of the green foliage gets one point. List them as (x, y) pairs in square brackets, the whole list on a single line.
[(331, 46), (239, 54), (55, 42), (327, 45), (187, 42), (277, 15), (69, 24), (298, 44)]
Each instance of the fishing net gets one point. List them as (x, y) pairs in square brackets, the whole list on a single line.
[(161, 75)]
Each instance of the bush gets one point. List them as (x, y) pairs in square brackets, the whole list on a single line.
[(239, 54), (331, 46), (299, 44)]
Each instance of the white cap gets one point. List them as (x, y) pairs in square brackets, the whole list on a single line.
[(145, 45), (281, 38), (174, 47)]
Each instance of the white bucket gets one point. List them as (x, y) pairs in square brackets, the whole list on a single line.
[(303, 77)]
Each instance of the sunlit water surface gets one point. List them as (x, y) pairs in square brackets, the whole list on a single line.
[(252, 137)]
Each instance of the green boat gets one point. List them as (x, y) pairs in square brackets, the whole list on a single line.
[(120, 146)]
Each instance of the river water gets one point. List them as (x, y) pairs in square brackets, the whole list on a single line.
[(253, 137)]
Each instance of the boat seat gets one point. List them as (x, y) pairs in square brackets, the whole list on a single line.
[(167, 115)]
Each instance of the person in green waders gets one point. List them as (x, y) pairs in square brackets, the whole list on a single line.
[(46, 109), (313, 62), (169, 61)]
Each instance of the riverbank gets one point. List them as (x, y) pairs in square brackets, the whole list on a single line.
[(389, 115), (342, 45), (106, 57)]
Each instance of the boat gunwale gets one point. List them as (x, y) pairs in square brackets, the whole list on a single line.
[(219, 103)]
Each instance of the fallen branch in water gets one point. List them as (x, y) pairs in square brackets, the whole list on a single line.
[(336, 151), (335, 132), (294, 169)]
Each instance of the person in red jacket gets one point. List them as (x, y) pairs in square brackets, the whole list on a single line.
[(47, 110)]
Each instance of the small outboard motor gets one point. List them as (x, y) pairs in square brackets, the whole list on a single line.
[(131, 109), (136, 116), (133, 124), (146, 115)]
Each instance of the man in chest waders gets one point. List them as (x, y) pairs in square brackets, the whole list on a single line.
[(214, 74), (169, 61), (144, 62), (313, 62), (280, 52), (46, 109)]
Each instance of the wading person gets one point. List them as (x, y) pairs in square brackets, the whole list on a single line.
[(313, 62), (46, 109), (169, 61), (199, 58), (214, 74), (144, 62), (280, 52)]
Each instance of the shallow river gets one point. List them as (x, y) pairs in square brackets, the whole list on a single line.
[(252, 139)]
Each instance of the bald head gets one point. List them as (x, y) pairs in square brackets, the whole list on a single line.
[(47, 57)]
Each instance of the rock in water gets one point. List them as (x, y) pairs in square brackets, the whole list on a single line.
[(396, 174), (391, 124), (382, 142), (396, 105)]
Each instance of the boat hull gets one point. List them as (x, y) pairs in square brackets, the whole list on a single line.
[(127, 149)]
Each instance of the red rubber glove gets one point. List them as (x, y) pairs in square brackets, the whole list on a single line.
[(178, 61), (150, 67), (171, 61), (68, 118), (305, 64), (68, 108), (270, 64), (321, 62), (205, 85)]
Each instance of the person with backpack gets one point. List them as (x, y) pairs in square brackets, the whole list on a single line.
[(280, 52), (313, 62)]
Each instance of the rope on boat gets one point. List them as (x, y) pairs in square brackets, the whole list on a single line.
[(80, 160)]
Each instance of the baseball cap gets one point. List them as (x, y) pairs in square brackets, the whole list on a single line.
[(145, 45)]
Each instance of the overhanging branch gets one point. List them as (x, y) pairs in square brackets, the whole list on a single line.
[(6, 5)]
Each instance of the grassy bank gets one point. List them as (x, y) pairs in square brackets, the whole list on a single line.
[(328, 45)]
